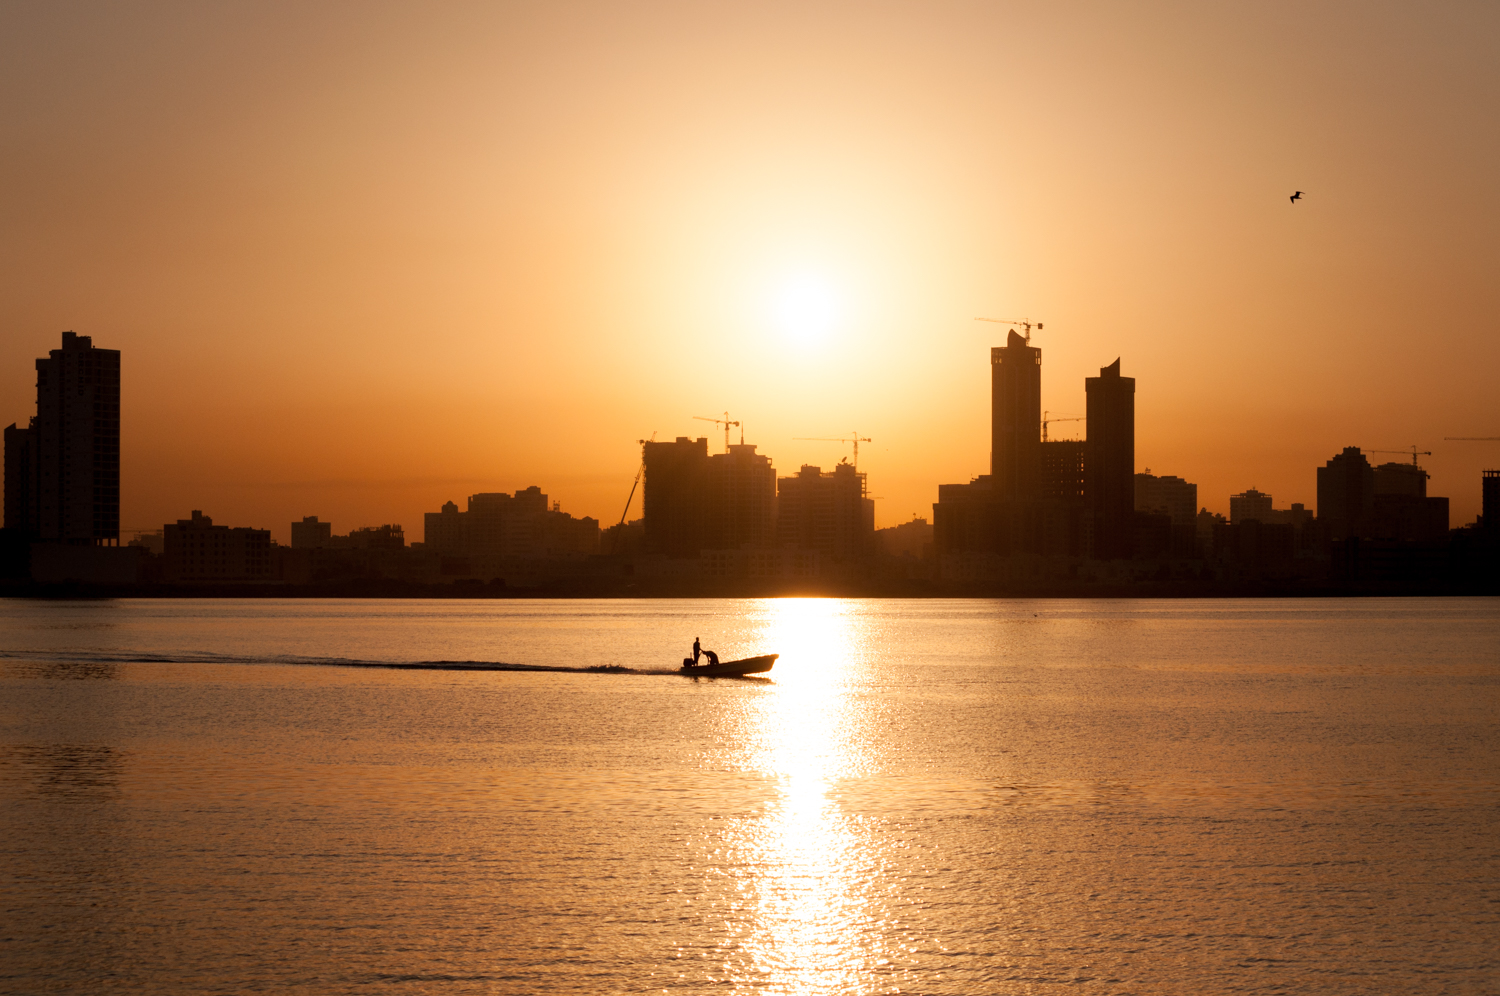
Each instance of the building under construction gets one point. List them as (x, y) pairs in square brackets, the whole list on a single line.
[(694, 501), (1049, 498), (826, 512)]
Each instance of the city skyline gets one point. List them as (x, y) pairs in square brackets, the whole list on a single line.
[(431, 254), (1024, 467)]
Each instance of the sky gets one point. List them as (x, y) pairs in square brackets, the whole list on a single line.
[(362, 259)]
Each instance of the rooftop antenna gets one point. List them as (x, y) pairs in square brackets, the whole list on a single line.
[(726, 423), (1024, 324)]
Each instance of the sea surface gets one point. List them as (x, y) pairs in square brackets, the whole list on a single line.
[(969, 796)]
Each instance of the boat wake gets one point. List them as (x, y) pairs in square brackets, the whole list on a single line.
[(94, 658)]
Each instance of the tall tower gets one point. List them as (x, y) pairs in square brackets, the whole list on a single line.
[(1109, 462), (1015, 416), (76, 437)]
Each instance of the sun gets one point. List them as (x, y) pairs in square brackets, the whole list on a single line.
[(806, 309)]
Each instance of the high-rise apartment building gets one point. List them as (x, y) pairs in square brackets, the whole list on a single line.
[(1015, 416), (311, 534), (828, 513), (1251, 504), (63, 471), (696, 502), (1109, 462), (1346, 494), (673, 502), (741, 500), (1169, 494)]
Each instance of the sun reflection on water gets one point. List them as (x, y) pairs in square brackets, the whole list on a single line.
[(811, 863)]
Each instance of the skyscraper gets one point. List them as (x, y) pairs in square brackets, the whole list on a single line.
[(1109, 462), (1015, 416), (63, 472)]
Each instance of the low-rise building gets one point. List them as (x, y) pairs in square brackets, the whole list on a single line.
[(197, 551)]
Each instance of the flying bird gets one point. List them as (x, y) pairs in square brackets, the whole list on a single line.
[(1296, 197)]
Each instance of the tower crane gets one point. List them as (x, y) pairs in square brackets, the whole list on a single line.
[(853, 437), (638, 475), (1070, 418), (726, 423), (1413, 451), (1024, 324)]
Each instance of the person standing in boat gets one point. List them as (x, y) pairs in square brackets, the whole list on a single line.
[(697, 650)]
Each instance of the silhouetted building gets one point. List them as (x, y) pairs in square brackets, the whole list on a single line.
[(1203, 529), (1173, 498), (1402, 510), (1346, 495), (1489, 518), (740, 498), (445, 532), (197, 551), (696, 502), (1172, 495), (498, 527), (1400, 479), (1152, 535), (909, 539), (1015, 416), (1258, 548), (1109, 462), (827, 513), (310, 534), (1251, 504), (386, 537), (63, 471), (1032, 501), (21, 480), (674, 500), (1059, 471)]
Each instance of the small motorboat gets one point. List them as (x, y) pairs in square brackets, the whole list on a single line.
[(729, 669)]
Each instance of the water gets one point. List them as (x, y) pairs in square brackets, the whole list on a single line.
[(924, 796)]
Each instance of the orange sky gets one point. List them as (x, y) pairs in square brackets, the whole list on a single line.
[(363, 259)]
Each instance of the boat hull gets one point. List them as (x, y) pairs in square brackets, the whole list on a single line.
[(731, 669)]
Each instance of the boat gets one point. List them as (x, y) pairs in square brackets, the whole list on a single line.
[(729, 669)]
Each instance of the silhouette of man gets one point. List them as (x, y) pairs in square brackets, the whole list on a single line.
[(697, 651), (713, 658)]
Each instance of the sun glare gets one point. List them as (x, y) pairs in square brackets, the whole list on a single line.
[(806, 309)]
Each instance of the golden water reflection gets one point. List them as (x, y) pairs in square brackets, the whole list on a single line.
[(814, 925)]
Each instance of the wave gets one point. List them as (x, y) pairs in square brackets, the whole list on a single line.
[(205, 657)]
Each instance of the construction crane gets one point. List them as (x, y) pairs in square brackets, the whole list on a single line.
[(853, 437), (638, 475), (1413, 451), (1024, 324), (1070, 418), (726, 423)]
